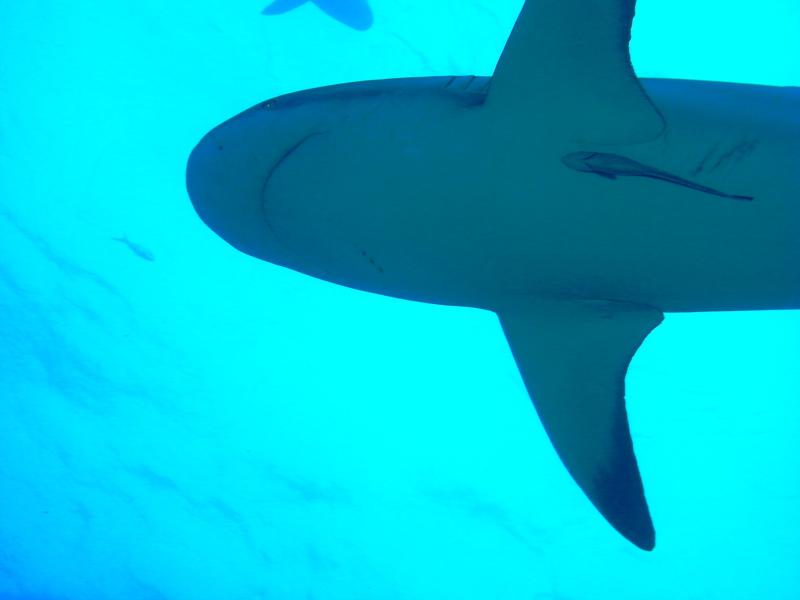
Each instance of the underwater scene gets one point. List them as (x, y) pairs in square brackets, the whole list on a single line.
[(289, 352)]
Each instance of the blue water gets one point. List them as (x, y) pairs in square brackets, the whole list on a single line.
[(180, 421)]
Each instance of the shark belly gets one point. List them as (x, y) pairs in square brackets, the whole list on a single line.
[(652, 242), (413, 196), (697, 252), (409, 220)]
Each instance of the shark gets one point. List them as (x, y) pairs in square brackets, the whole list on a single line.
[(572, 198), (356, 14)]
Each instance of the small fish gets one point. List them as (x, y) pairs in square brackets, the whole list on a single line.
[(137, 249), (612, 166), (356, 14)]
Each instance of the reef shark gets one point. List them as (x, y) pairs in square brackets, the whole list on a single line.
[(575, 200), (353, 13)]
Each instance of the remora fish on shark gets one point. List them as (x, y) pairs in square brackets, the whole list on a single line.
[(483, 192)]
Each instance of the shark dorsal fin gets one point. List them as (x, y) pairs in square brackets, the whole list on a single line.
[(573, 356), (567, 69)]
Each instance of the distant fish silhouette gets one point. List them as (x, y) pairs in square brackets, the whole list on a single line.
[(353, 13), (138, 250)]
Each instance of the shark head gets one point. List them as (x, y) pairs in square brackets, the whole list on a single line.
[(249, 181), (228, 177)]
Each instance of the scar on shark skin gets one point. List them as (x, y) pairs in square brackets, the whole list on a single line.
[(702, 165), (737, 153), (612, 166)]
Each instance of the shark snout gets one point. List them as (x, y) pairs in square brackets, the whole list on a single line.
[(230, 175), (225, 175)]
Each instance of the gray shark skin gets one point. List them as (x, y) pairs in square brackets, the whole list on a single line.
[(484, 192)]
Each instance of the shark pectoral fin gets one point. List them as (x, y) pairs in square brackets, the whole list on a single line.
[(566, 67), (573, 356)]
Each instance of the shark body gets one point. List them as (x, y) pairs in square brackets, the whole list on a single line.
[(573, 199)]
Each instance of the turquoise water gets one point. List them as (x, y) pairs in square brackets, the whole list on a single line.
[(181, 421)]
